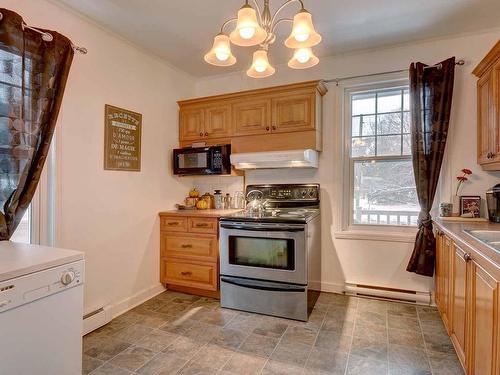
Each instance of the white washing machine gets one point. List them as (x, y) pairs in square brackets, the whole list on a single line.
[(41, 310)]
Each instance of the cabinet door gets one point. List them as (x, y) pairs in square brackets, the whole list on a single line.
[(293, 112), (495, 134), (439, 273), (484, 353), (191, 123), (485, 119), (458, 302), (252, 117), (218, 121)]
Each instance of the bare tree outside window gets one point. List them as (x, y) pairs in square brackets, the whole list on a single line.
[(383, 184)]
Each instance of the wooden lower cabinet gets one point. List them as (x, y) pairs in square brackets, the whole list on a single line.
[(467, 297), (189, 254), (484, 321), (458, 302)]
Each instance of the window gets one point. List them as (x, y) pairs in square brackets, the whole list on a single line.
[(382, 184)]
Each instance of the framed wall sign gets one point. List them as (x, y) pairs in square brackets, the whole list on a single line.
[(122, 139)]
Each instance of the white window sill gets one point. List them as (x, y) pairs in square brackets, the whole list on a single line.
[(407, 236)]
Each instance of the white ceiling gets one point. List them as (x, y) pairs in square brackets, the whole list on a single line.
[(181, 31)]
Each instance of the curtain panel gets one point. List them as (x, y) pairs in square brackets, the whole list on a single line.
[(431, 91), (33, 75)]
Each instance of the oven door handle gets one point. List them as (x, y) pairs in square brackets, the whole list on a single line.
[(248, 284), (262, 229)]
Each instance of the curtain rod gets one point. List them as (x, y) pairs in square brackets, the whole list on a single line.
[(438, 66), (47, 37)]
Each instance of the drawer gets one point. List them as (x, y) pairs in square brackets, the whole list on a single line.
[(173, 223), (202, 225), (194, 275), (191, 246)]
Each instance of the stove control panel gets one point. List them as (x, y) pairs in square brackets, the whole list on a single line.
[(288, 192)]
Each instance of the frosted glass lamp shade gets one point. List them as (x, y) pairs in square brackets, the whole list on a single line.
[(303, 34), (248, 31), (303, 58), (260, 66), (220, 54)]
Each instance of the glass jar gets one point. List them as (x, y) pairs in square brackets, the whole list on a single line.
[(218, 200)]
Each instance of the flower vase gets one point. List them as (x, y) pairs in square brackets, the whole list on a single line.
[(456, 206)]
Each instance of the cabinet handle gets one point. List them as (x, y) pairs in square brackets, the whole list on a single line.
[(186, 273), (206, 134), (173, 223), (467, 257), (201, 134), (274, 127), (201, 225), (186, 246), (267, 128)]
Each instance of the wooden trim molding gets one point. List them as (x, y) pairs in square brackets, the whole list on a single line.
[(488, 61)]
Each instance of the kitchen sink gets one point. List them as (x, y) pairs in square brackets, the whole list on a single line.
[(488, 237)]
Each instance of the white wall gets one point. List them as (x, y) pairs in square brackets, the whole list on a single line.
[(363, 261), (112, 216)]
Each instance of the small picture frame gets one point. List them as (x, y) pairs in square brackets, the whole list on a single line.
[(470, 204)]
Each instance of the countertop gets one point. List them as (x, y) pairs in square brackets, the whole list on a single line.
[(18, 259), (200, 213), (455, 230)]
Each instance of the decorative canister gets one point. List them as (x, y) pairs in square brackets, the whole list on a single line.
[(219, 200), (445, 209)]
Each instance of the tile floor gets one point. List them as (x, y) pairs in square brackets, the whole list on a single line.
[(176, 333)]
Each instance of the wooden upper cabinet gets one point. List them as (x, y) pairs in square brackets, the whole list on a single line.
[(485, 330), (244, 118), (191, 123), (488, 110), (293, 112), (218, 121), (252, 117)]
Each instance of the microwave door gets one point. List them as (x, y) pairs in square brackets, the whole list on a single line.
[(192, 162)]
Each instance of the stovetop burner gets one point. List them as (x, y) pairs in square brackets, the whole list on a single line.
[(297, 203)]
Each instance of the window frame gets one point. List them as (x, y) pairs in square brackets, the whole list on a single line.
[(349, 229)]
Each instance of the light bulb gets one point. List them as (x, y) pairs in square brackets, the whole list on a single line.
[(301, 34), (303, 55), (222, 55), (260, 66), (247, 32)]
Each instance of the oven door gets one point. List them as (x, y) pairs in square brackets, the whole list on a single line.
[(264, 251)]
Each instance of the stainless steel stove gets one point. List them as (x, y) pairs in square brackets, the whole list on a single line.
[(270, 253)]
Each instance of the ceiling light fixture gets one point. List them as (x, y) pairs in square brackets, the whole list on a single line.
[(257, 28)]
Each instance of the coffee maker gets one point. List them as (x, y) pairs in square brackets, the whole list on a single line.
[(493, 203)]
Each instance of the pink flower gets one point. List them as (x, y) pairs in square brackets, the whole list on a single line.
[(462, 178), (466, 171)]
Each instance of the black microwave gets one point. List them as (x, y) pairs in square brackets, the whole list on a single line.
[(209, 160)]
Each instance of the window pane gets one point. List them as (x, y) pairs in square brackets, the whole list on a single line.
[(406, 100), (363, 146), (389, 101), (368, 125), (407, 144), (23, 231), (363, 104), (384, 193), (406, 122), (388, 145), (356, 126), (389, 123)]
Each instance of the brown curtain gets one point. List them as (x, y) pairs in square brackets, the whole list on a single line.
[(33, 74), (431, 91)]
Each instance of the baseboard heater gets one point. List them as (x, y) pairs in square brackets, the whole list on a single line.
[(96, 319), (397, 295)]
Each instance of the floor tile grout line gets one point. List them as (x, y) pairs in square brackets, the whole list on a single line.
[(277, 344), (352, 335), (315, 339), (426, 350)]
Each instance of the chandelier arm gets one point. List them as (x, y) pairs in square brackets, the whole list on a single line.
[(283, 6), (227, 23), (281, 20), (259, 12)]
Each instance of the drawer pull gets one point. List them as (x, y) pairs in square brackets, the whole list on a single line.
[(173, 223), (186, 246), (186, 273), (467, 257), (201, 225)]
